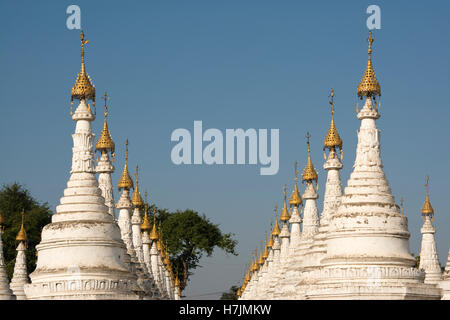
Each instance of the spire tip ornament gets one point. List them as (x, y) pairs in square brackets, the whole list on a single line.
[(105, 143), (285, 216), (145, 226), (309, 173), (276, 229), (332, 140), (137, 199), (22, 235), (296, 199), (83, 89), (369, 86), (125, 181), (427, 209)]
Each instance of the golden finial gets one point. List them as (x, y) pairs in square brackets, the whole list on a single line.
[(137, 199), (105, 143), (83, 88), (154, 233), (295, 199), (266, 251), (369, 86), (270, 242), (332, 140), (125, 181), (255, 265), (261, 253), (22, 235), (309, 173), (145, 226), (285, 216), (276, 229), (427, 209)]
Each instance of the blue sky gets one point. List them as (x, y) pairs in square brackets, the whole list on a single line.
[(231, 64)]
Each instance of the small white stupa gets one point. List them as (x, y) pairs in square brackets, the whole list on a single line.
[(5, 291), (105, 168), (20, 274), (445, 283), (429, 261), (295, 221)]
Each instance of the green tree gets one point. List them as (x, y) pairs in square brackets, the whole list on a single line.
[(189, 236), (231, 294), (13, 199)]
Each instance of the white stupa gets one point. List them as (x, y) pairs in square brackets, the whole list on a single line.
[(5, 291), (105, 168), (445, 282), (20, 274), (81, 254), (429, 261), (136, 230)]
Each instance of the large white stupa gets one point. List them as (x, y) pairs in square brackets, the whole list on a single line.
[(81, 254), (360, 247)]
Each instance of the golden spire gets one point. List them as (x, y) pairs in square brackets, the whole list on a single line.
[(125, 181), (159, 241), (309, 173), (22, 235), (154, 233), (158, 246), (369, 86), (159, 231), (270, 242), (265, 254), (105, 143), (145, 226), (332, 140), (276, 229), (255, 264), (285, 216), (295, 199), (83, 88), (427, 209), (261, 255), (162, 249), (166, 256), (137, 199)]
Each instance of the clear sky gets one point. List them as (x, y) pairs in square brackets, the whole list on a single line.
[(231, 64)]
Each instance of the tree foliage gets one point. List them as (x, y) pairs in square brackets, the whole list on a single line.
[(13, 199), (189, 237), (231, 294)]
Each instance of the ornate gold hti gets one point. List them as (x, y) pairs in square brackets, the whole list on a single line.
[(309, 173), (83, 89), (369, 86), (105, 143), (125, 181), (427, 209), (295, 199), (332, 140)]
